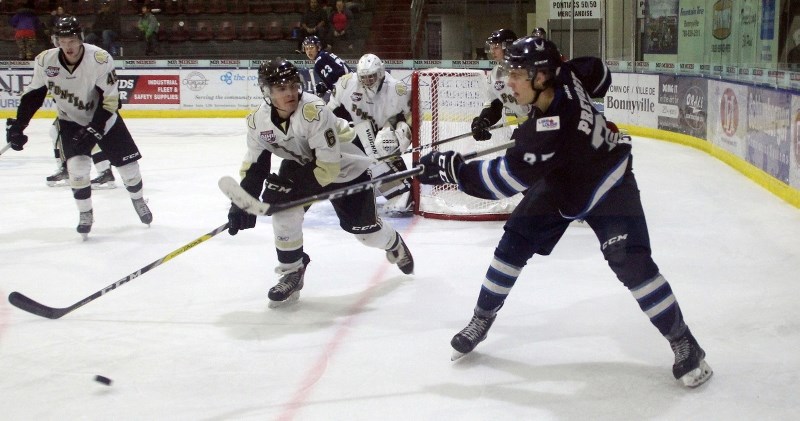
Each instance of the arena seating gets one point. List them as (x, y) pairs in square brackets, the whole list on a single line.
[(262, 27)]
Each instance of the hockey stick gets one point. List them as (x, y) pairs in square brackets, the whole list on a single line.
[(437, 143), (241, 198), (24, 303), (5, 148)]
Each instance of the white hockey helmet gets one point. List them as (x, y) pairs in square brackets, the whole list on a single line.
[(370, 71)]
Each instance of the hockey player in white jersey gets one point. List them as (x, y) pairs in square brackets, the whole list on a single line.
[(81, 79), (317, 155), (499, 95), (379, 106)]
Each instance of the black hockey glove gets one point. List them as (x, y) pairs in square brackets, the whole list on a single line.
[(87, 137), (322, 88), (278, 189), (239, 220), (480, 128), (14, 134), (441, 167)]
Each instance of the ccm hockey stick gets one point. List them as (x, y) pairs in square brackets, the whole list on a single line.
[(5, 148), (241, 198), (24, 303), (437, 143)]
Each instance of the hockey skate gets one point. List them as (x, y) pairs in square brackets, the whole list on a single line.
[(690, 366), (59, 179), (469, 337), (85, 221), (287, 290), (401, 206), (104, 180), (142, 210), (401, 256)]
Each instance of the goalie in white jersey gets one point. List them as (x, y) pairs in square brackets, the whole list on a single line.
[(499, 95), (317, 155), (379, 106), (82, 81)]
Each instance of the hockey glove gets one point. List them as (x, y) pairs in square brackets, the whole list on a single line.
[(239, 220), (278, 189), (322, 88), (14, 134), (441, 167), (87, 137), (480, 128)]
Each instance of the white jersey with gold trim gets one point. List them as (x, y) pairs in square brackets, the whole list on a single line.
[(497, 80), (380, 108), (312, 132), (75, 91)]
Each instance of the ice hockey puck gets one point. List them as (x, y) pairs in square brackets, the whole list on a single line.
[(102, 379)]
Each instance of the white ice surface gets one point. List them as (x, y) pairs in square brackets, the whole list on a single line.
[(194, 340)]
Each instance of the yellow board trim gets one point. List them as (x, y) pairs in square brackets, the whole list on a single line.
[(760, 177)]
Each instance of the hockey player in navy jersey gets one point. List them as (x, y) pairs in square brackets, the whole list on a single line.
[(328, 67), (571, 166)]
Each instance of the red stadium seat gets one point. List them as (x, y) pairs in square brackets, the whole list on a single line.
[(237, 6), (202, 32), (249, 31), (274, 30), (226, 31), (178, 33)]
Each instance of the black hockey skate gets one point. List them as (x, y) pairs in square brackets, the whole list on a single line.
[(105, 180), (469, 337), (287, 290), (85, 221), (401, 256), (59, 179), (142, 210), (690, 366)]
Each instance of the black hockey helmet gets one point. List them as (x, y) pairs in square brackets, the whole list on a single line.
[(312, 40), (503, 37), (277, 71), (67, 26), (532, 54), (539, 32)]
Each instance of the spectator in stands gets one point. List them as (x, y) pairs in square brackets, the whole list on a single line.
[(148, 24), (341, 21), (55, 15), (313, 22), (106, 28), (793, 57), (25, 23)]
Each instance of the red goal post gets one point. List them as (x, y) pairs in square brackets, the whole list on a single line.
[(443, 104)]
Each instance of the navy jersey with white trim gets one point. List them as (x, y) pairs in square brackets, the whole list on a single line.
[(568, 144), (329, 67)]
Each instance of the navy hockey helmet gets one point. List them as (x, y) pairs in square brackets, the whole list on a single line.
[(66, 26), (503, 37), (539, 32), (312, 40), (277, 71), (533, 54)]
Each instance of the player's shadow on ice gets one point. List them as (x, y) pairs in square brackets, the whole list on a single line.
[(312, 312), (590, 390)]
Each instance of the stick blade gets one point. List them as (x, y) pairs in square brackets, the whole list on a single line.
[(231, 188), (22, 302)]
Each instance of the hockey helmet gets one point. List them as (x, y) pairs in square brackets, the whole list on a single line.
[(277, 71), (312, 40), (502, 37), (67, 26), (370, 71), (539, 32), (533, 54)]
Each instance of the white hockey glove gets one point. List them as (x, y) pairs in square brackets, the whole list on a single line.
[(386, 141), (403, 133)]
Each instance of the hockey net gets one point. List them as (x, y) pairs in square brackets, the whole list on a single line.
[(444, 102)]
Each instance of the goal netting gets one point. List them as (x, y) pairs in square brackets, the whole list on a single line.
[(444, 102)]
